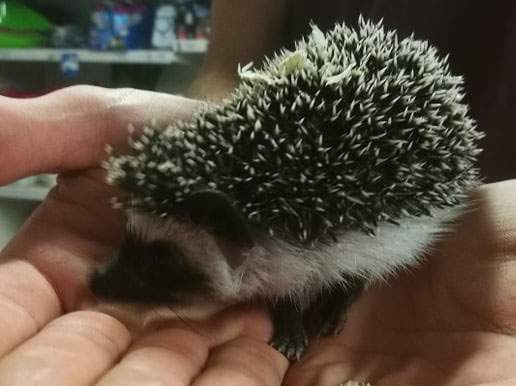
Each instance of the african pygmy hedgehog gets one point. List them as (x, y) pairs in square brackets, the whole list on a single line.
[(330, 167)]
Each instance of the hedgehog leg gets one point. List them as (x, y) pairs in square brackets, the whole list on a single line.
[(327, 314), (289, 335)]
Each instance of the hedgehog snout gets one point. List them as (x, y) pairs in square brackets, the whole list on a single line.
[(113, 282)]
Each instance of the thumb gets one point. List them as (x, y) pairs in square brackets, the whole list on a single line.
[(68, 129)]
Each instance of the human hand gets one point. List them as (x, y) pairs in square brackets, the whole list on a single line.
[(452, 321), (52, 330)]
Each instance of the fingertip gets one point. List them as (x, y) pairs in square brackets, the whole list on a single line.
[(243, 361)]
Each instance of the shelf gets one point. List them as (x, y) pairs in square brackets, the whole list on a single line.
[(192, 46), (24, 193), (88, 56)]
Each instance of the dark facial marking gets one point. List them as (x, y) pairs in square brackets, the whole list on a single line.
[(147, 272), (214, 210)]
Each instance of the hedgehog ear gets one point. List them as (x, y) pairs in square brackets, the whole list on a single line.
[(215, 210)]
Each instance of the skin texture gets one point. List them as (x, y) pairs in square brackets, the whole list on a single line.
[(452, 321)]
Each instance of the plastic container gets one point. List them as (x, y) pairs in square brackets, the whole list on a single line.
[(164, 31), (22, 27)]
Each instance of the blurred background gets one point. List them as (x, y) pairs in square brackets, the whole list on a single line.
[(160, 45), (47, 45)]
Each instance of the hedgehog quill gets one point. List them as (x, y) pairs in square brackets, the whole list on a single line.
[(330, 167)]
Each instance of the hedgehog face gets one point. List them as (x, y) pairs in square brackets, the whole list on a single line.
[(195, 253), (146, 271)]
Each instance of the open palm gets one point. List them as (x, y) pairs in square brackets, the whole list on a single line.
[(449, 322)]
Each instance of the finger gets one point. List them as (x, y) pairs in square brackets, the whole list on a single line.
[(27, 303), (68, 129), (44, 269), (240, 320), (71, 231), (215, 323), (75, 349), (243, 361), (177, 352), (167, 357), (240, 353)]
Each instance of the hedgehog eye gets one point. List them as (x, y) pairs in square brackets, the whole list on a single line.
[(161, 259)]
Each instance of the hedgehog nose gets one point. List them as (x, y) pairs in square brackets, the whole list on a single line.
[(111, 281), (99, 285)]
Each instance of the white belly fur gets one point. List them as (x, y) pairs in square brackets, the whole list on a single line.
[(301, 273)]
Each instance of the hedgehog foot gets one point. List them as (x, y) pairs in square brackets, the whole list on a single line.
[(289, 336), (354, 383), (291, 346), (327, 314)]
